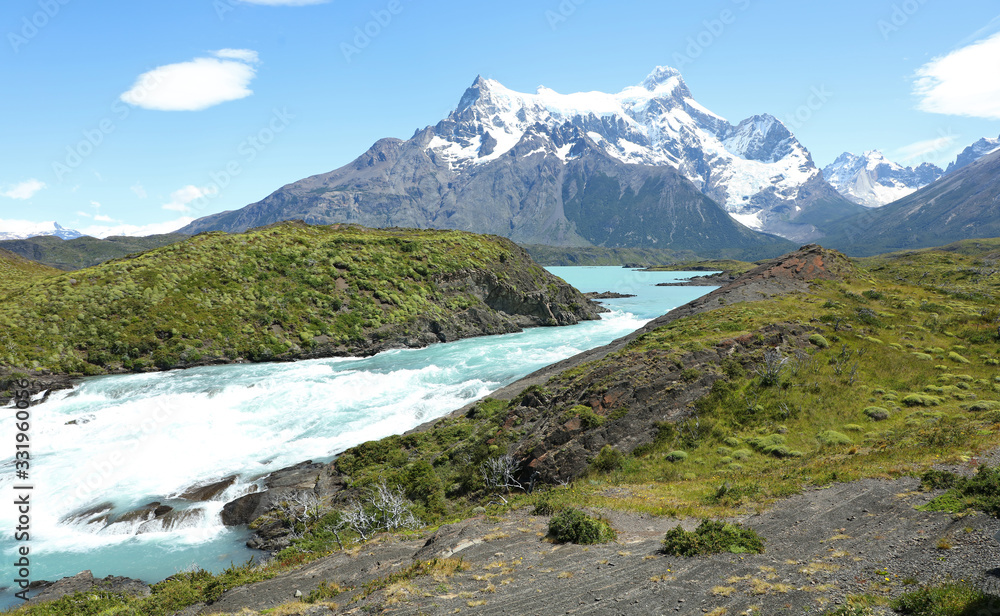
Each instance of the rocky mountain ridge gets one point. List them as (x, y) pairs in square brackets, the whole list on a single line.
[(502, 162)]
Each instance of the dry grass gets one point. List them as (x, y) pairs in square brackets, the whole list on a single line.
[(814, 568), (722, 591), (760, 587), (495, 536), (400, 592)]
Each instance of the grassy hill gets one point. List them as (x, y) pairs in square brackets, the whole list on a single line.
[(84, 251), (281, 292), (16, 272)]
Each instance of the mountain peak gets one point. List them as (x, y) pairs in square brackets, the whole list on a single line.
[(872, 180), (659, 76)]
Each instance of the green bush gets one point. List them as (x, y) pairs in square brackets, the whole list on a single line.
[(984, 405), (921, 400), (877, 413), (588, 418), (819, 341), (955, 357), (773, 445), (948, 599), (980, 492), (608, 460), (545, 506), (712, 537), (677, 456), (829, 438), (575, 526)]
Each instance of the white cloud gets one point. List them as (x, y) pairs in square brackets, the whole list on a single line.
[(23, 190), (243, 55), (139, 190), (97, 217), (927, 148), (180, 200), (195, 85), (963, 82), (102, 231), (286, 2)]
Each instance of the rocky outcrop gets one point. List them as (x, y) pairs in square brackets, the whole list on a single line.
[(287, 483), (206, 492), (85, 581), (39, 383), (629, 394)]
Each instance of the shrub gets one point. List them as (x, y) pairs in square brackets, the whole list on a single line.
[(608, 460), (829, 438), (980, 492), (545, 506), (985, 405), (922, 400), (948, 599), (712, 537), (877, 413), (773, 445), (955, 357), (677, 456), (819, 341), (588, 418), (575, 526)]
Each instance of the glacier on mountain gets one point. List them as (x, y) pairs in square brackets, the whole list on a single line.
[(751, 169)]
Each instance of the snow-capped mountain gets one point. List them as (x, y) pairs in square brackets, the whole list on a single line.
[(23, 229), (755, 170), (873, 181), (646, 166), (974, 152)]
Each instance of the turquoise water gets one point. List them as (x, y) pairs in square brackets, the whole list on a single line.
[(141, 438)]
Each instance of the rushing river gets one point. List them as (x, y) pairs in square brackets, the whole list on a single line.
[(124, 441)]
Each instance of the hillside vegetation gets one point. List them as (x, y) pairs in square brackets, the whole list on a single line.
[(85, 251), (17, 272), (277, 293)]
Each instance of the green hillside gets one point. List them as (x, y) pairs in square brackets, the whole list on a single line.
[(16, 272), (281, 292), (84, 251)]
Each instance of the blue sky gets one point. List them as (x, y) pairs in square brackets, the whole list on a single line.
[(136, 116)]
